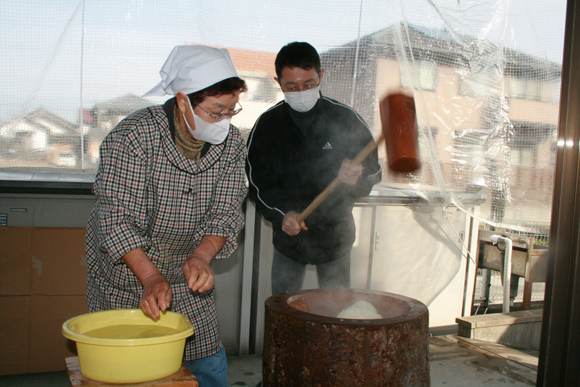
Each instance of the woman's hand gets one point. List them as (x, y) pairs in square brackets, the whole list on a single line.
[(198, 274), (157, 292), (156, 296)]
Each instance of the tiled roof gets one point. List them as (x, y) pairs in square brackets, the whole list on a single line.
[(253, 61)]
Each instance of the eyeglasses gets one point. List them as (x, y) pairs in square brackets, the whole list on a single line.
[(221, 116), (305, 87)]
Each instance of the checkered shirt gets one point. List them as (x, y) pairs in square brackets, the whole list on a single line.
[(150, 196)]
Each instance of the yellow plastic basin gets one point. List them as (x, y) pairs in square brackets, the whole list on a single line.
[(126, 346)]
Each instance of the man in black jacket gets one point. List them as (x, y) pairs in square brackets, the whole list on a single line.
[(295, 150)]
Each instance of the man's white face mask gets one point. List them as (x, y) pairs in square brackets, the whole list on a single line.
[(302, 101), (213, 132)]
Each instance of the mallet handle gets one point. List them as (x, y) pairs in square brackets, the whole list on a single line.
[(363, 154)]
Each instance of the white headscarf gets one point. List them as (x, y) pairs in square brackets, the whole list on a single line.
[(193, 68)]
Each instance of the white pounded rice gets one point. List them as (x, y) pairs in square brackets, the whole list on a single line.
[(360, 310)]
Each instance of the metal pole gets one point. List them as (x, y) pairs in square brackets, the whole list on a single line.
[(507, 269), (247, 266), (355, 70), (373, 246)]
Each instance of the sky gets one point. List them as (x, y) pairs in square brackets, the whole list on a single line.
[(62, 54)]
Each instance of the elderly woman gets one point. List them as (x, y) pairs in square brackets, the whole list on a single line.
[(169, 190)]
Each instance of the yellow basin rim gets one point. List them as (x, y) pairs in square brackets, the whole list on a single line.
[(136, 317)]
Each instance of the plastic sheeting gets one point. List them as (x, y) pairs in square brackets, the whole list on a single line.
[(485, 76)]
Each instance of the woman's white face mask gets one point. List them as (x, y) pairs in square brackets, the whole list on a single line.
[(213, 132), (302, 101)]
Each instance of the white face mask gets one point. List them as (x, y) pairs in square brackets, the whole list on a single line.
[(213, 132), (302, 101)]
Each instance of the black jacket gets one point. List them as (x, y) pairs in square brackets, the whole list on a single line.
[(287, 168)]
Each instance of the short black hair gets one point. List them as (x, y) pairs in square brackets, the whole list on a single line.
[(227, 86), (297, 54)]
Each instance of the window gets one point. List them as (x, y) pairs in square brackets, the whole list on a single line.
[(522, 157), (469, 154), (66, 159), (424, 141), (479, 85), (552, 92), (72, 70), (525, 88), (423, 76), (261, 89)]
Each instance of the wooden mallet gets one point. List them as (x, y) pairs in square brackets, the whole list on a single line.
[(399, 129)]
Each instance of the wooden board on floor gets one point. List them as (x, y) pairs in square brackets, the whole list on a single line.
[(182, 378)]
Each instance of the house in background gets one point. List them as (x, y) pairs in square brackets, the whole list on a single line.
[(475, 111), (103, 117), (44, 141), (40, 139), (257, 69), (516, 103)]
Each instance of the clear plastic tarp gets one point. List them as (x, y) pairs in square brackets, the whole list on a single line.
[(485, 75)]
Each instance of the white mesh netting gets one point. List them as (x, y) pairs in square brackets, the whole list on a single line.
[(485, 76)]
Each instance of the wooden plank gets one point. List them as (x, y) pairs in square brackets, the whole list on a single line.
[(182, 378)]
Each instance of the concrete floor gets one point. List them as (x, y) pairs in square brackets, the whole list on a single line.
[(459, 362), (454, 362)]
